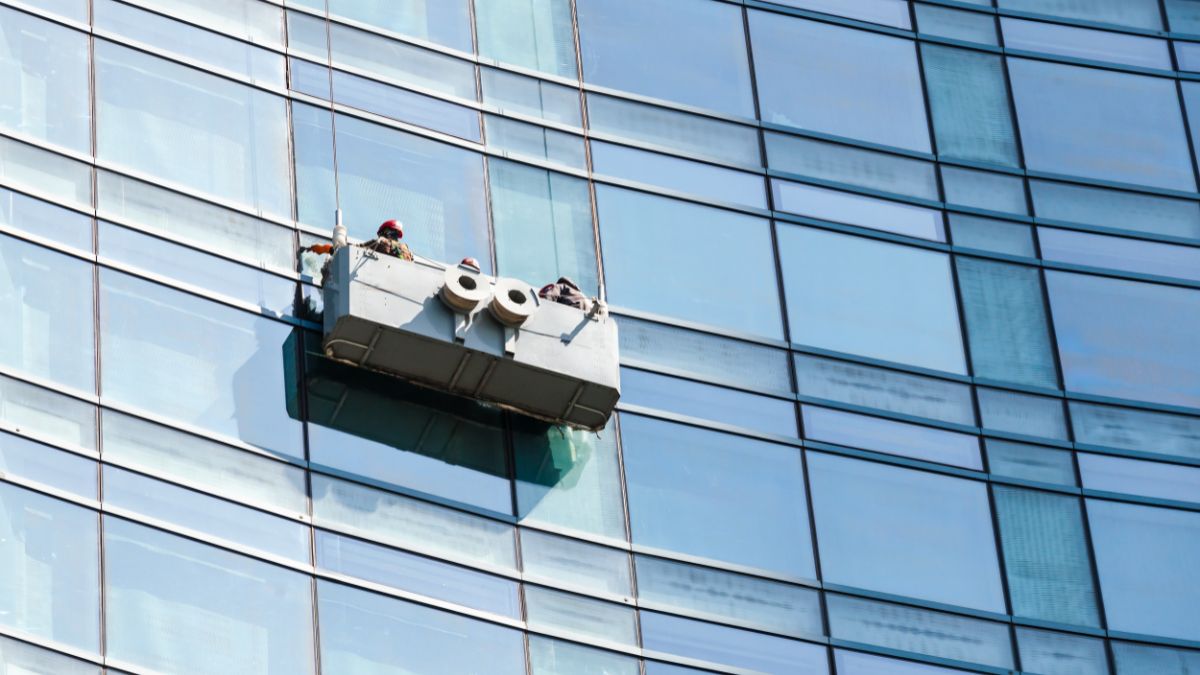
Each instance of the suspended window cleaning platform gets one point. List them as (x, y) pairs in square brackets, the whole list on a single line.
[(456, 330)]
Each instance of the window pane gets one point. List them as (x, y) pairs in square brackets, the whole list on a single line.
[(674, 129), (169, 600), (198, 362), (568, 478), (636, 228), (897, 438), (556, 657), (999, 236), (1147, 558), (1030, 462), (47, 415), (1119, 253), (196, 129), (1006, 322), (517, 139), (23, 658), (394, 102), (839, 81), (46, 299), (1024, 414), (535, 34), (954, 563), (848, 164), (1046, 556), (1141, 659), (705, 66), (1078, 121), (45, 172), (577, 615), (956, 24), (44, 67), (893, 302), (706, 401), (50, 552), (717, 496), (984, 190), (1052, 653), (858, 663), (1121, 210), (46, 220), (887, 12), (363, 632), (711, 183), (1084, 43), (515, 93), (1127, 339), (728, 597), (872, 387), (417, 574), (1136, 429), (860, 210), (743, 649), (47, 465), (969, 101), (444, 21), (543, 225), (921, 631), (1135, 477), (1134, 13), (1184, 15), (246, 19), (574, 564)]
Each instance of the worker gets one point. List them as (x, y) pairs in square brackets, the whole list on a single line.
[(471, 264), (565, 292), (386, 241)]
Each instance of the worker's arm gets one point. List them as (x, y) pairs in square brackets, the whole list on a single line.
[(319, 248)]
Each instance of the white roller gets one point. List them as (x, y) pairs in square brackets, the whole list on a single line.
[(464, 289), (513, 302)]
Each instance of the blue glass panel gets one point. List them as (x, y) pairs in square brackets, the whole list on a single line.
[(46, 299), (1006, 322), (511, 92), (1127, 339), (695, 399), (729, 646), (1052, 653), (1147, 559), (954, 563), (1121, 210), (47, 465), (674, 129), (1135, 477), (536, 142), (1184, 15), (444, 21), (680, 175), (840, 81), (858, 663), (999, 236), (1119, 253), (1046, 556), (363, 632), (406, 106), (637, 228), (897, 438), (1134, 13), (956, 24), (50, 587), (892, 390), (1136, 429), (535, 34), (984, 190), (1078, 121), (887, 12), (715, 495), (705, 66), (968, 99), (22, 657), (1141, 659), (893, 302), (169, 601), (1084, 43), (574, 564), (1030, 462), (46, 172), (417, 574), (46, 220), (557, 657), (1018, 413), (577, 615), (44, 67), (853, 209), (852, 165)]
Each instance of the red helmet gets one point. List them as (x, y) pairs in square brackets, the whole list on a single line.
[(470, 262), (392, 225)]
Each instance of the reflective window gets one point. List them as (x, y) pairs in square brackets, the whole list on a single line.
[(45, 172), (1119, 253), (1084, 43), (574, 564), (1134, 13), (169, 600), (728, 597), (551, 610), (447, 22), (515, 139), (717, 496), (50, 587), (729, 646), (922, 631), (858, 663), (849, 164), (892, 390), (1053, 653), (705, 66), (954, 563), (968, 99), (530, 33), (1184, 15), (984, 190), (1080, 121), (998, 236), (956, 24), (1046, 556), (247, 19), (72, 9), (1148, 479), (1006, 322), (712, 183), (198, 362), (1127, 339), (515, 93), (1147, 558), (893, 302), (192, 128), (44, 67), (705, 401), (365, 632), (1025, 414), (853, 209), (1030, 462), (840, 81), (22, 657), (1141, 659), (567, 478), (887, 12), (47, 415), (46, 301), (209, 515), (897, 438), (543, 225), (417, 574), (47, 465), (674, 129), (556, 657), (636, 228), (1121, 210), (1136, 429), (45, 220)]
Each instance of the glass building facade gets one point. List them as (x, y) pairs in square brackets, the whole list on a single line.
[(909, 300)]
